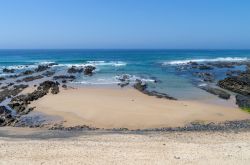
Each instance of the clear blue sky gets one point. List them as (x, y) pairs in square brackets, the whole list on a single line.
[(125, 24)]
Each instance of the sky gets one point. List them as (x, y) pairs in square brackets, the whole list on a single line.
[(124, 24)]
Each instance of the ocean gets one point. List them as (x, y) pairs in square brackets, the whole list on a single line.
[(147, 65)]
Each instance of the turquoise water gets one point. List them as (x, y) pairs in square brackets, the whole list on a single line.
[(144, 64)]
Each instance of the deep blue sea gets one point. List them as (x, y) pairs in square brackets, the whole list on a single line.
[(144, 64)]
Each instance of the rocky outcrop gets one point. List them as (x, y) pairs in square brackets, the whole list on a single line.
[(142, 87), (28, 72), (5, 116), (20, 102), (42, 68), (243, 101), (238, 84), (2, 78), (70, 77), (6, 70), (75, 69), (88, 70), (220, 93), (205, 76), (48, 73), (15, 90), (32, 78)]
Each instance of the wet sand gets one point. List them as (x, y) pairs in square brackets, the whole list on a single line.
[(122, 148), (129, 108)]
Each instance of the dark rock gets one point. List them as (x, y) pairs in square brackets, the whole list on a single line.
[(28, 72), (64, 81), (243, 101), (32, 78), (5, 70), (2, 78), (88, 70), (20, 102), (75, 69), (205, 76), (204, 67), (238, 84), (70, 78), (5, 116), (42, 68), (49, 73), (139, 85), (159, 95), (64, 86), (222, 94), (12, 92), (233, 72)]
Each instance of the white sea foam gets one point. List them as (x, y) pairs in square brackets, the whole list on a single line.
[(106, 63), (222, 59)]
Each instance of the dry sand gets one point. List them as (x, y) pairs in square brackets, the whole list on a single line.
[(129, 108), (154, 148)]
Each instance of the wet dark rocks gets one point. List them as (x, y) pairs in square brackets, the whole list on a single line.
[(205, 76), (64, 86), (28, 72), (6, 86), (75, 69), (233, 72), (48, 73), (32, 78), (2, 78), (6, 70), (70, 77), (88, 70), (64, 81), (15, 90), (221, 64), (216, 91), (238, 84), (5, 116), (142, 87), (204, 67), (42, 68), (158, 95), (242, 101), (20, 102), (125, 80)]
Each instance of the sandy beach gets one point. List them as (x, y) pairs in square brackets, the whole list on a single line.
[(129, 108), (20, 146)]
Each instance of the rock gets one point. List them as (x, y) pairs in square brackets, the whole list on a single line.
[(88, 70), (74, 69), (222, 94), (2, 78), (49, 73), (12, 92), (32, 78), (238, 84), (28, 72), (70, 78), (64, 81), (124, 77), (64, 86), (5, 70), (205, 76), (159, 95), (5, 116), (139, 85), (221, 64), (20, 102), (233, 72), (42, 68), (204, 67), (123, 84), (242, 101)]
